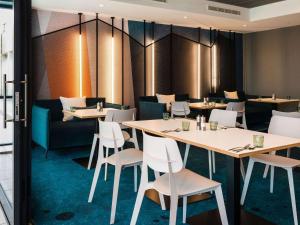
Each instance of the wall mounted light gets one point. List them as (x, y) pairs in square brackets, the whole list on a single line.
[(153, 61), (112, 61), (80, 56), (214, 68), (199, 66)]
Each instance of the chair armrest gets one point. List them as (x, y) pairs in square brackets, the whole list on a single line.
[(41, 126), (151, 110)]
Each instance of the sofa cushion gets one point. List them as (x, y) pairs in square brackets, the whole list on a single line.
[(67, 103), (231, 94), (166, 99)]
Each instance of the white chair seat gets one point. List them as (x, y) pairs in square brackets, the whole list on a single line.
[(187, 182), (276, 160), (126, 157), (126, 135)]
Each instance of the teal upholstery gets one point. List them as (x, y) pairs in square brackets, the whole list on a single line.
[(40, 126)]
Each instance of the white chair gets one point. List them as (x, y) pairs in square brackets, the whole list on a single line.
[(285, 114), (116, 116), (162, 155), (239, 107), (111, 137), (283, 126), (180, 109)]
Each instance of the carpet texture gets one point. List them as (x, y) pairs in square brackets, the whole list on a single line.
[(60, 189)]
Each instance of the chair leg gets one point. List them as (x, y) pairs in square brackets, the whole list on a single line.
[(95, 180), (186, 154), (247, 179), (272, 179), (161, 196), (184, 206), (213, 161), (266, 171), (221, 205), (106, 164), (292, 192), (288, 153), (138, 204), (46, 154), (92, 151), (134, 136), (135, 177), (173, 209), (115, 194), (209, 164), (242, 169)]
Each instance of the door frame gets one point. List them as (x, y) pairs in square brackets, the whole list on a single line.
[(22, 134)]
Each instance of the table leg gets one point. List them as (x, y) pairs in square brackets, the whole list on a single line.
[(233, 190)]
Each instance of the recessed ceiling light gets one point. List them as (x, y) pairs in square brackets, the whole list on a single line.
[(185, 17), (101, 5), (244, 25)]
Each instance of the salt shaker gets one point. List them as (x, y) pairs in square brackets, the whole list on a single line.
[(98, 107), (101, 106), (273, 96), (198, 119)]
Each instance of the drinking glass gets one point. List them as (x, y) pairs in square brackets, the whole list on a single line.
[(166, 116), (258, 141), (213, 125), (185, 125)]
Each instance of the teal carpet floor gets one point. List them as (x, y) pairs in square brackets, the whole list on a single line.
[(61, 186)]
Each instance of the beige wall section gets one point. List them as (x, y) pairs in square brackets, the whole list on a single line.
[(272, 62)]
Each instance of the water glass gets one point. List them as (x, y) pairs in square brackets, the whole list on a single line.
[(185, 125), (213, 125), (258, 141), (166, 116)]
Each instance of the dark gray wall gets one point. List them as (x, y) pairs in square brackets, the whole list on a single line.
[(272, 62)]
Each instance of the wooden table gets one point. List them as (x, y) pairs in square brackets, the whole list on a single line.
[(89, 113), (202, 106), (279, 103), (220, 141)]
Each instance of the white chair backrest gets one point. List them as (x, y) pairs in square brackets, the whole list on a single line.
[(110, 134), (236, 106), (157, 150), (180, 109), (286, 114), (223, 117), (120, 116), (285, 126)]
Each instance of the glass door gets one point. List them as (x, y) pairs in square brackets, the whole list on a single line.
[(6, 107), (15, 157)]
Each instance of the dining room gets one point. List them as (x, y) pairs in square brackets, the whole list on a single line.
[(165, 112)]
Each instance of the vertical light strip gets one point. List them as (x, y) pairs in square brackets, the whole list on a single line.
[(214, 68), (80, 56), (80, 65), (198, 71), (112, 61), (153, 69), (112, 70)]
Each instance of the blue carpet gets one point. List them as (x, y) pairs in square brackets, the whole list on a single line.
[(60, 185)]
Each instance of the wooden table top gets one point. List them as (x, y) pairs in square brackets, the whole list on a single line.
[(219, 141), (89, 113), (201, 105), (276, 101)]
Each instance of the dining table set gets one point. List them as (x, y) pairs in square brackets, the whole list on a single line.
[(233, 143)]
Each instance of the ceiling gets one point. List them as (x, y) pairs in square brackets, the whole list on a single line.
[(247, 3), (191, 13)]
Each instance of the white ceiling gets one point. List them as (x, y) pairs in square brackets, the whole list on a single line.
[(193, 13)]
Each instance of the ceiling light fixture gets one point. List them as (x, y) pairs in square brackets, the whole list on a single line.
[(101, 5), (185, 17)]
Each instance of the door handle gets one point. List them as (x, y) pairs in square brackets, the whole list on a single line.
[(5, 120), (25, 82)]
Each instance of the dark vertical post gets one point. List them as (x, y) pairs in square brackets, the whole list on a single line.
[(210, 44), (171, 58), (112, 26), (233, 190), (145, 84), (80, 15), (122, 61), (97, 57)]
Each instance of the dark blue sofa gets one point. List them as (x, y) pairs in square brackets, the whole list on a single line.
[(50, 132), (149, 108)]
